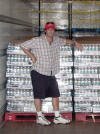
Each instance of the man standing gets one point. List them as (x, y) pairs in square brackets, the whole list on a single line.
[(44, 52)]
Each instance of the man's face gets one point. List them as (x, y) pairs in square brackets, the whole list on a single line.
[(50, 32)]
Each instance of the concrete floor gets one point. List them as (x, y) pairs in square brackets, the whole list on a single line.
[(32, 128)]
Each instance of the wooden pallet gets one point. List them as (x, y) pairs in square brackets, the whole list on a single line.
[(31, 117), (9, 116), (88, 117)]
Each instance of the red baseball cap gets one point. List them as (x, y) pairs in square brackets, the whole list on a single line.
[(50, 25)]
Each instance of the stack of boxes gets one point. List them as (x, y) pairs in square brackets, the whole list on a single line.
[(87, 63), (50, 11), (87, 79), (19, 87), (87, 13)]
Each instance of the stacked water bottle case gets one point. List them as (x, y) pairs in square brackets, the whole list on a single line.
[(87, 79), (19, 88)]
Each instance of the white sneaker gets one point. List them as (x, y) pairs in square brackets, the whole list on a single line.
[(61, 120), (42, 120)]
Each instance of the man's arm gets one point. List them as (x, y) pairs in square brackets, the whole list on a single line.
[(27, 51), (70, 42), (29, 54)]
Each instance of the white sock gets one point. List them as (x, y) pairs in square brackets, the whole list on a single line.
[(39, 113), (57, 113)]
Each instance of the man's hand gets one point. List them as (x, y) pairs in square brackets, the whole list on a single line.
[(33, 59), (29, 54), (78, 45)]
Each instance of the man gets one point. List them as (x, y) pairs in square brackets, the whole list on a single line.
[(44, 52)]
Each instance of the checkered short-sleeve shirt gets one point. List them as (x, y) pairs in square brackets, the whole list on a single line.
[(48, 56)]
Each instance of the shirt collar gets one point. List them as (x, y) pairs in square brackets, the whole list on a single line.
[(44, 37)]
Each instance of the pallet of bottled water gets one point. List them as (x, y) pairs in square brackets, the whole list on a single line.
[(19, 87), (87, 78)]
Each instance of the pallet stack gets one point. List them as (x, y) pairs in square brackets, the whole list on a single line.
[(87, 81), (19, 88), (86, 14)]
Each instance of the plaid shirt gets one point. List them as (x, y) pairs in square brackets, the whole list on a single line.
[(48, 56)]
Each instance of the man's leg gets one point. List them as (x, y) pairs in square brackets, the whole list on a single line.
[(58, 118), (39, 85), (40, 117), (38, 104), (55, 103)]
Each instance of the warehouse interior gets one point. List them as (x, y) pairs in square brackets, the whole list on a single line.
[(79, 78)]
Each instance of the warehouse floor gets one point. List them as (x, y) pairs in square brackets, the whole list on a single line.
[(32, 128)]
